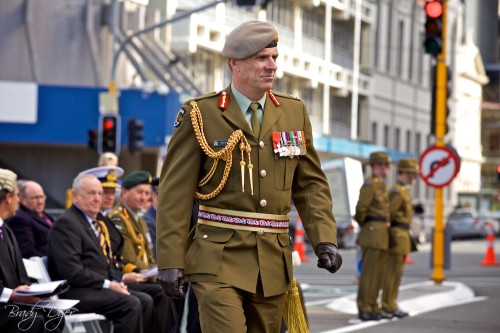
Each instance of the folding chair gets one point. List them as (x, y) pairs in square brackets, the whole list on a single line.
[(75, 323)]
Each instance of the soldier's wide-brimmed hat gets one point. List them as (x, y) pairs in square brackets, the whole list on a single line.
[(408, 165), (7, 180), (249, 38), (136, 178), (107, 175), (379, 157)]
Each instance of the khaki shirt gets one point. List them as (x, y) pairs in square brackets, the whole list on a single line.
[(137, 248), (238, 257), (401, 210), (372, 214)]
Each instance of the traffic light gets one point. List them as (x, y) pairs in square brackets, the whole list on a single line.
[(92, 139), (247, 3), (109, 134), (135, 135), (433, 27), (498, 173)]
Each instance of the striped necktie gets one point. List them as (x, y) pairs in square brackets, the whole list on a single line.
[(101, 238), (254, 107)]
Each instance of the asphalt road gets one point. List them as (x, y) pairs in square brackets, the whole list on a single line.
[(467, 301)]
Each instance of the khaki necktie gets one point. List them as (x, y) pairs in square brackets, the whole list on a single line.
[(254, 107)]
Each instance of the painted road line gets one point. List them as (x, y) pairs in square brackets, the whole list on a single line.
[(455, 293)]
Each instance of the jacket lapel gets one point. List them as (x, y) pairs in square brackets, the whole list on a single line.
[(271, 115), (234, 115)]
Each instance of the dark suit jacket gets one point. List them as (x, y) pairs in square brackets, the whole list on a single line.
[(74, 253), (12, 271), (31, 232)]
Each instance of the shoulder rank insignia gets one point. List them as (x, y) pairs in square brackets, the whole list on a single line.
[(178, 118), (273, 98), (223, 100)]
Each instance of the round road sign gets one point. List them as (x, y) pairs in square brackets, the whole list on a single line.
[(438, 166)]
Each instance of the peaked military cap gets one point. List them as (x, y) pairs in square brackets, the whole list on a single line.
[(7, 180), (379, 157), (136, 178), (108, 175), (249, 38), (408, 165)]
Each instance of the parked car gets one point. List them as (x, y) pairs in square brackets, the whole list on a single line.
[(467, 222)]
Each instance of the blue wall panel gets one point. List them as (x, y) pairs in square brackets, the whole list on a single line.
[(65, 114)]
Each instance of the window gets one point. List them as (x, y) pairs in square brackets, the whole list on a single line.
[(281, 11), (386, 136), (314, 22), (494, 143), (400, 50), (397, 138), (408, 141), (389, 41), (374, 133)]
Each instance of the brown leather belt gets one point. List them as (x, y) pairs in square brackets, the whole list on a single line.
[(239, 220)]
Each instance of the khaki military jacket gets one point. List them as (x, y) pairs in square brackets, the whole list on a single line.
[(137, 247), (237, 257), (372, 214), (401, 210)]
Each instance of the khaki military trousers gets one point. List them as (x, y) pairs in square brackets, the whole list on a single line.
[(370, 280), (226, 309), (391, 280)]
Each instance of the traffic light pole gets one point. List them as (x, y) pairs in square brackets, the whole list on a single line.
[(440, 131)]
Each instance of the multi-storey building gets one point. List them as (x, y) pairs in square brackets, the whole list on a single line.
[(357, 64)]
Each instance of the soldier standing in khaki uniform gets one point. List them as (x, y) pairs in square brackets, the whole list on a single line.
[(138, 248), (372, 214), (401, 212), (244, 154)]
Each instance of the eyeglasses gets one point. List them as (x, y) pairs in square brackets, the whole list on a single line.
[(38, 197)]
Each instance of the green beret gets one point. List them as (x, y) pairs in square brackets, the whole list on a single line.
[(136, 178), (379, 157), (407, 165), (249, 38)]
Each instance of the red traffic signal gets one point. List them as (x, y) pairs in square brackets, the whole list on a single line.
[(109, 134), (433, 27), (434, 9)]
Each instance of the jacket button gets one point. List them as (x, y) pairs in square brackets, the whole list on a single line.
[(261, 144), (260, 232), (263, 173), (263, 203), (372, 227)]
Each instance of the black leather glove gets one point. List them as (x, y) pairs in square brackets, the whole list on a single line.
[(171, 281), (328, 257)]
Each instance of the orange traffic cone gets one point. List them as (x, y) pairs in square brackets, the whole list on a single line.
[(298, 243), (408, 260), (489, 258)]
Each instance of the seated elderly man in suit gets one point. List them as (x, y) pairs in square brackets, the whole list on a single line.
[(13, 276), (31, 224), (165, 314), (79, 252)]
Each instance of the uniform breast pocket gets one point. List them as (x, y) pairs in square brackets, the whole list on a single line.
[(205, 253), (284, 170)]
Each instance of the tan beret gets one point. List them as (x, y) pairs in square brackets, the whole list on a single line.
[(379, 157), (7, 180), (249, 38), (407, 165)]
